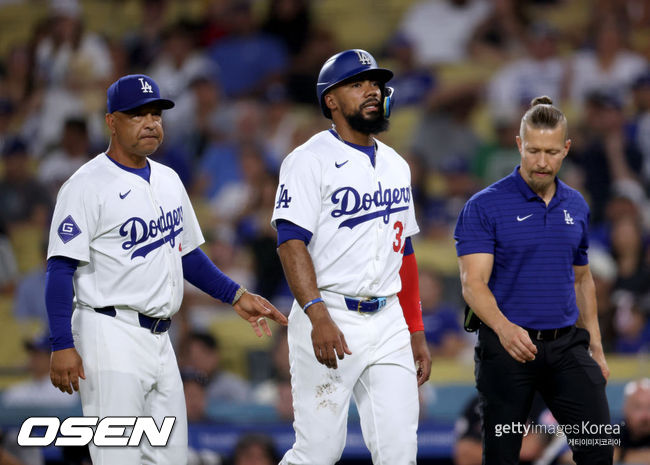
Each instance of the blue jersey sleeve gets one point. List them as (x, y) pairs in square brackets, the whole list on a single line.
[(199, 270), (288, 230), (475, 231), (59, 292)]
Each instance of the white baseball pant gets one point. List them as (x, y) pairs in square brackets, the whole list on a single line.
[(130, 372), (380, 374)]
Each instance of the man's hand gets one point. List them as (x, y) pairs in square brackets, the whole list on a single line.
[(326, 337), (599, 356), (66, 368), (422, 356), (516, 341), (254, 309)]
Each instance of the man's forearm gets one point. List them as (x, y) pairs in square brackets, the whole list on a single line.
[(299, 270), (479, 297), (588, 310)]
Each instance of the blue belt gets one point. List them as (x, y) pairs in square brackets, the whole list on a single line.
[(365, 305), (155, 325)]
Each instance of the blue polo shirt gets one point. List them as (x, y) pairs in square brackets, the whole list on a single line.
[(534, 248)]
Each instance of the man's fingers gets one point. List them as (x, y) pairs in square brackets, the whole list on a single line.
[(75, 382), (256, 327), (265, 327), (82, 373), (345, 345)]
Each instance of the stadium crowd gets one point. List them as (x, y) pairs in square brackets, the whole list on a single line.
[(243, 74)]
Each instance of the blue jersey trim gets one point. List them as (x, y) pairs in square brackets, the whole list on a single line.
[(144, 173), (288, 230), (368, 150)]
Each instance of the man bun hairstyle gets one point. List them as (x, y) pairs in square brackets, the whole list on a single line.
[(543, 115)]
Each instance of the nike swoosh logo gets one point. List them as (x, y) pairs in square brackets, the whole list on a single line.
[(338, 165), (123, 196), (525, 217)]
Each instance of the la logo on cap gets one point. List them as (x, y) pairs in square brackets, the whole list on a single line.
[(146, 87)]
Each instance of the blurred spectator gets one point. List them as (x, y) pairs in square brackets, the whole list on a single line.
[(194, 385), (501, 36), (29, 298), (495, 159), (635, 429), (603, 270), (444, 133), (202, 353), (180, 61), (609, 160), (214, 24), (606, 66), (73, 151), (631, 324), (78, 97), (8, 265), (290, 21), (38, 391), (255, 449), (441, 30), (200, 118), (254, 231), (301, 81), (6, 457), (540, 72), (220, 162), (641, 125), (441, 320), (411, 82), (6, 116), (66, 43), (249, 61), (276, 391), (236, 196), (17, 80), (629, 249), (143, 44), (25, 201)]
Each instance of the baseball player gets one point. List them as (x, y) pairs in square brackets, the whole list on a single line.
[(125, 235), (344, 216)]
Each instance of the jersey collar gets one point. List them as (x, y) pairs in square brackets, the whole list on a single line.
[(560, 188)]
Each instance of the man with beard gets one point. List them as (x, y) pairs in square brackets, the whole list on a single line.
[(522, 246), (344, 215)]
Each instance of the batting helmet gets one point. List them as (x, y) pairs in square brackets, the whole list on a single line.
[(348, 64)]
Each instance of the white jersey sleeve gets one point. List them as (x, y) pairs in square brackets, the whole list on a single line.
[(75, 220), (411, 228), (298, 198), (192, 236)]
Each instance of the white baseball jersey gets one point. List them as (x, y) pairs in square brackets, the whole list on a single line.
[(359, 215), (128, 234)]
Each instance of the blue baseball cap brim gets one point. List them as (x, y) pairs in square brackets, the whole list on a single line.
[(133, 91)]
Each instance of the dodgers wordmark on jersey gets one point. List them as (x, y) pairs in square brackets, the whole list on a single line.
[(128, 234), (359, 215)]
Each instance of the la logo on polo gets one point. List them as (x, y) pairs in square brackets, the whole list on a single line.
[(363, 58), (146, 87), (567, 217)]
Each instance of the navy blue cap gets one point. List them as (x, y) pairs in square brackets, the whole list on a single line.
[(133, 91)]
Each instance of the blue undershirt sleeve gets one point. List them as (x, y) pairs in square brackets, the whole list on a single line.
[(199, 270), (288, 230), (59, 293), (408, 247)]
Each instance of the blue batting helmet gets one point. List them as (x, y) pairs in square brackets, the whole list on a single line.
[(348, 64)]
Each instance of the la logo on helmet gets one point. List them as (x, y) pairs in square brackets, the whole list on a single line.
[(363, 58), (146, 87)]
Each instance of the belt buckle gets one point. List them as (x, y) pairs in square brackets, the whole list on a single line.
[(359, 304), (154, 327), (555, 333), (539, 335)]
